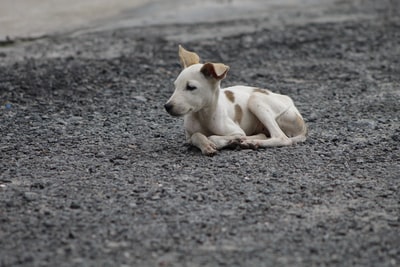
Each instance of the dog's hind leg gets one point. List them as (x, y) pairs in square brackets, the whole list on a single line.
[(293, 125), (267, 116)]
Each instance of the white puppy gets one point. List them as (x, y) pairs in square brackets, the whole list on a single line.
[(244, 116)]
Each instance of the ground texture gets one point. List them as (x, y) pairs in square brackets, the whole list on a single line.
[(93, 171)]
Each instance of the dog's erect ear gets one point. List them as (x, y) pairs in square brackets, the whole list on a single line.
[(187, 58), (214, 70)]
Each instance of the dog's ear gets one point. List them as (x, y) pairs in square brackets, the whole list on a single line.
[(187, 58), (214, 70)]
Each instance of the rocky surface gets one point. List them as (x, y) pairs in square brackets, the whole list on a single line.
[(93, 171)]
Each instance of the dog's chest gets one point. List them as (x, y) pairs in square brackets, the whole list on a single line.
[(230, 116)]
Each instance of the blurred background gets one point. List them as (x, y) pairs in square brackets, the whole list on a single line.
[(35, 18)]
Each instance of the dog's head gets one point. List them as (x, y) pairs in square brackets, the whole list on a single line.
[(196, 86)]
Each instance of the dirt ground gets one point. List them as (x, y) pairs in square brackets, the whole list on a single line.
[(94, 172)]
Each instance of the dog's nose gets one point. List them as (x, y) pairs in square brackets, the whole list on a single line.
[(168, 107)]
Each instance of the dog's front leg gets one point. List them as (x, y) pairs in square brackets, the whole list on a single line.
[(230, 141), (201, 141)]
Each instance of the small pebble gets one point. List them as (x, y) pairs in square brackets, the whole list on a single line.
[(30, 196), (75, 205)]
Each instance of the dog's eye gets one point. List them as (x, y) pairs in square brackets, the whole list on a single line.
[(190, 87)]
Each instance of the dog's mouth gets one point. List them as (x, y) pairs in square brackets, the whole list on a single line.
[(173, 112), (178, 114)]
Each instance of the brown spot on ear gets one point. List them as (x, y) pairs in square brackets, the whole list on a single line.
[(238, 113), (230, 96), (216, 71), (262, 91)]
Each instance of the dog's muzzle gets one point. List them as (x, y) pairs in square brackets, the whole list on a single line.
[(168, 107), (172, 110)]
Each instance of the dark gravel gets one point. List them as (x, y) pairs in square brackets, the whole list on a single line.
[(93, 171)]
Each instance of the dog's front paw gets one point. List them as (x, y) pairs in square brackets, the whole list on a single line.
[(232, 144), (209, 149), (249, 144)]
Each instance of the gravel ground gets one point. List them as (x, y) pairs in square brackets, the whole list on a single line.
[(93, 171)]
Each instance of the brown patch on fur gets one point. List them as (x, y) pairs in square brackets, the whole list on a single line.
[(230, 96), (262, 91), (238, 113)]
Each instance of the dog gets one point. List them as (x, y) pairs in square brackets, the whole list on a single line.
[(244, 116)]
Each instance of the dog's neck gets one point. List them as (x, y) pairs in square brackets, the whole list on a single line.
[(210, 109)]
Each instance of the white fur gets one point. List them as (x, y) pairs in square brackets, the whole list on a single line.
[(243, 116)]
